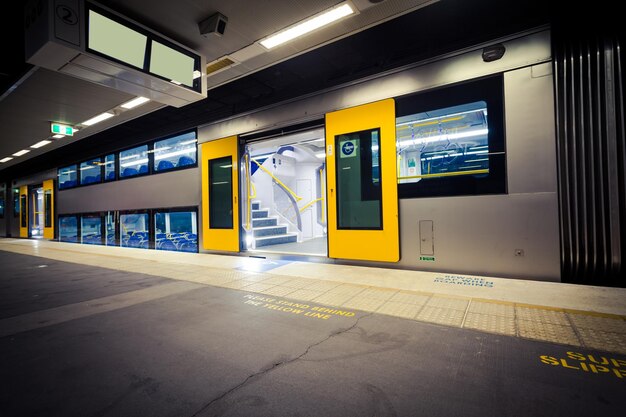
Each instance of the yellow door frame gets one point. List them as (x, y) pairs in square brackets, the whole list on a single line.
[(372, 245), (24, 203), (220, 239), (48, 187)]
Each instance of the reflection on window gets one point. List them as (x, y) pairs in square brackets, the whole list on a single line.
[(109, 167), (1, 207), (451, 141), (67, 177), (134, 230), (90, 171), (175, 152), (109, 229), (68, 228), (91, 230), (176, 231), (134, 162), (221, 193)]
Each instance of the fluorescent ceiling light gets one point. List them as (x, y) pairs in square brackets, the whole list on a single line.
[(176, 82), (97, 119), (451, 136), (321, 155), (40, 144), (307, 26), (137, 162), (135, 102), (7, 159), (22, 152), (58, 136)]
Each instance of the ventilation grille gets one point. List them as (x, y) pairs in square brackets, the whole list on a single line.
[(591, 157), (219, 65)]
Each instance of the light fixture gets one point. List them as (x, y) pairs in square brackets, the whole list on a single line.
[(40, 144), (58, 136), (97, 119), (7, 159), (321, 155), (138, 101), (22, 152), (307, 26)]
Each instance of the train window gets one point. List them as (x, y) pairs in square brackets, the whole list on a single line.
[(109, 229), (135, 230), (221, 193), (359, 203), (109, 167), (16, 202), (1, 207), (177, 152), (67, 177), (91, 171), (176, 231), (451, 141), (23, 211), (91, 229), (134, 162), (68, 229), (47, 199)]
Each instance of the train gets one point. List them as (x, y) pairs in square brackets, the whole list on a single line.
[(447, 165)]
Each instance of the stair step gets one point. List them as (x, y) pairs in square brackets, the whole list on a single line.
[(256, 205), (269, 231), (258, 214), (267, 221), (275, 240)]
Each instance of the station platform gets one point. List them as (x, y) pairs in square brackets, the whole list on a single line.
[(124, 331)]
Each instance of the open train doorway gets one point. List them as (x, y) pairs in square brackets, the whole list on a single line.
[(283, 182), (37, 210)]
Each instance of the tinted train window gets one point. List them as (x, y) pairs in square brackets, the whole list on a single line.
[(135, 230), (176, 231), (16, 202), (90, 171), (109, 167), (47, 198), (177, 152), (67, 177), (68, 228), (134, 162), (359, 203), (91, 230), (451, 141), (1, 207)]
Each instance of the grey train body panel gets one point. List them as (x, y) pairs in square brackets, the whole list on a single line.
[(168, 189)]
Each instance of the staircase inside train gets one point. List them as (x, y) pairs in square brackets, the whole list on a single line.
[(283, 184)]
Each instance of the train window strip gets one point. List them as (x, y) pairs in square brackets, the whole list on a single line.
[(172, 153), (170, 229), (450, 141)]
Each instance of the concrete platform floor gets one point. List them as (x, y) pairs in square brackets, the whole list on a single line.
[(92, 331)]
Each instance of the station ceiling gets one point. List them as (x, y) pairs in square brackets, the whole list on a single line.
[(385, 34)]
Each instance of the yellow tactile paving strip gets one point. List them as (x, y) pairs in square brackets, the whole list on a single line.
[(577, 328)]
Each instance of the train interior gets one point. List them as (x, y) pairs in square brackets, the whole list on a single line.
[(37, 216), (284, 207), (448, 141)]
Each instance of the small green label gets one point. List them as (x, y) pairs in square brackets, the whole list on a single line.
[(427, 258)]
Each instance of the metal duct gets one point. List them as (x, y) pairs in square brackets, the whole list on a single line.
[(591, 158)]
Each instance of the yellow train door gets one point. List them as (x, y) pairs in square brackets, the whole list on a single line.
[(24, 211), (48, 209), (362, 183), (220, 195)]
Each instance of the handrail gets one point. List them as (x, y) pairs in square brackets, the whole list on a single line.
[(279, 182), (306, 206), (447, 174), (248, 202)]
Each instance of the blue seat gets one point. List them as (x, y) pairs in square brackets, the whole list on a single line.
[(185, 161), (166, 244), (129, 172), (164, 164), (89, 180), (110, 176), (143, 169), (98, 178)]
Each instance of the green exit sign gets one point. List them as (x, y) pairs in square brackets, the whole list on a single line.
[(60, 129)]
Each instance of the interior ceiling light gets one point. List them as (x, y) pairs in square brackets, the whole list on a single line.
[(40, 144), (135, 102), (22, 152), (7, 159), (307, 26), (57, 137), (97, 119)]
